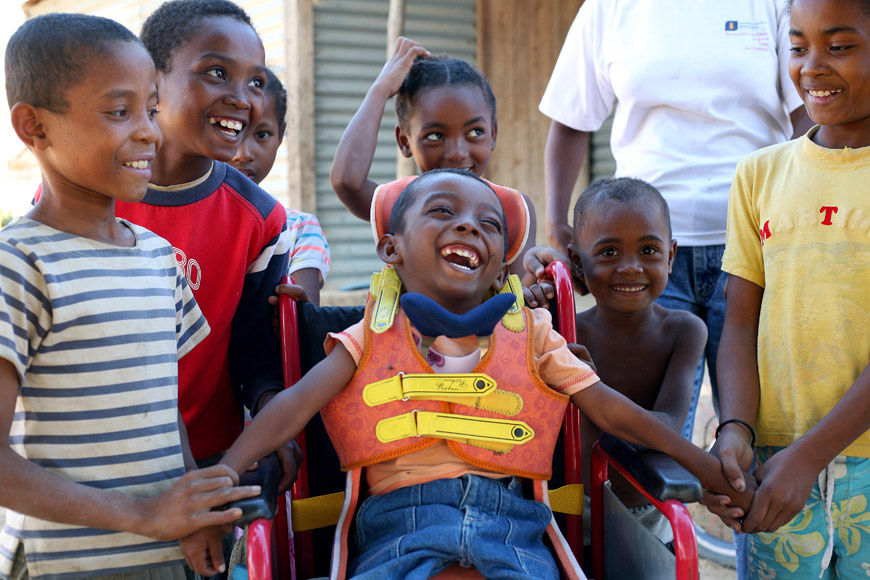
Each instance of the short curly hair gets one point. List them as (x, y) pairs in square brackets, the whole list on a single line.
[(275, 90), (49, 54), (429, 72), (175, 22), (623, 189)]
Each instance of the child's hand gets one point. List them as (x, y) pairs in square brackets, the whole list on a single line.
[(188, 505), (736, 456), (785, 482), (294, 291), (204, 552), (291, 458), (397, 68), (539, 295), (582, 353), (536, 260)]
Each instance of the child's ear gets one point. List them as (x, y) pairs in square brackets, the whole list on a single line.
[(494, 134), (403, 141), (27, 121), (672, 253), (577, 271), (502, 278), (388, 249)]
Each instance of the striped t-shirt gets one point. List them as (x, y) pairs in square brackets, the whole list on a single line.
[(95, 332), (308, 247)]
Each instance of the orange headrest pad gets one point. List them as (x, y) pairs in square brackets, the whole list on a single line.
[(515, 209)]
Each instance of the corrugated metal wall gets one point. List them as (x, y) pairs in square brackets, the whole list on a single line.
[(349, 52)]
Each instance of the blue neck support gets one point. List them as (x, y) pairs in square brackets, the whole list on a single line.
[(432, 319)]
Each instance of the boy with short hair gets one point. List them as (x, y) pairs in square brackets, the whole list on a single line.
[(93, 318), (622, 253), (447, 245)]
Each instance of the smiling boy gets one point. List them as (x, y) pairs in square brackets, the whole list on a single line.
[(229, 235), (94, 316)]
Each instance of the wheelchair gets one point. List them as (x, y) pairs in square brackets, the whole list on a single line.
[(295, 544)]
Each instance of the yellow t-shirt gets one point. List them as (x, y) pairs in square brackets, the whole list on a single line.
[(799, 226)]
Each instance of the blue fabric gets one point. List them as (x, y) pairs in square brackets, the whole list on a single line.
[(432, 319), (795, 551), (417, 531), (697, 284)]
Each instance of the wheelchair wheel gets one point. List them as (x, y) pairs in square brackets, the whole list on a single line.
[(715, 539)]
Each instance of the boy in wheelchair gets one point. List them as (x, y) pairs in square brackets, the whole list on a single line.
[(445, 453)]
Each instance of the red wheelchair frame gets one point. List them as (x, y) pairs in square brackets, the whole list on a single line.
[(664, 483)]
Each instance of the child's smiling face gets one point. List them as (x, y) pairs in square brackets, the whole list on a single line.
[(625, 254), (212, 94), (257, 153), (105, 141), (452, 245), (450, 126), (830, 67)]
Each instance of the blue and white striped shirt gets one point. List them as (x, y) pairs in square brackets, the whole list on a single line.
[(95, 332)]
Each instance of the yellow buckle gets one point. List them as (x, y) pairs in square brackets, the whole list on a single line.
[(449, 426), (387, 300), (431, 387)]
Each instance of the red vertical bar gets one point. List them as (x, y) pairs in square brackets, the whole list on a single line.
[(565, 315), (303, 550), (598, 475), (260, 550)]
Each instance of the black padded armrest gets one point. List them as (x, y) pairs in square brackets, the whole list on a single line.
[(267, 476), (658, 474)]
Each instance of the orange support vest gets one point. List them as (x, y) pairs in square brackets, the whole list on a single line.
[(510, 361)]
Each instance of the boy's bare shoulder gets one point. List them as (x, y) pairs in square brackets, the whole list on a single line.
[(680, 323)]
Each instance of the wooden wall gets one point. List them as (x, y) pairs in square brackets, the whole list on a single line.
[(518, 43)]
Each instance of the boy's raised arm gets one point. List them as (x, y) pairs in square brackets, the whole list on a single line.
[(288, 413), (613, 412), (177, 512), (349, 176)]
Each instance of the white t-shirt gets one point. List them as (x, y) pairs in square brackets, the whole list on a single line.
[(697, 84)]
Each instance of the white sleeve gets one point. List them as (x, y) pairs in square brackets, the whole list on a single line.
[(790, 97), (579, 94)]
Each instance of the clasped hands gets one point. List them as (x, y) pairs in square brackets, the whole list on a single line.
[(781, 486)]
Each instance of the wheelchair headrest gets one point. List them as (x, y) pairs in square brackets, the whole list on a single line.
[(515, 209)]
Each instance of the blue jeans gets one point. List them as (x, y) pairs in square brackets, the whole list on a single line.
[(697, 284), (418, 531)]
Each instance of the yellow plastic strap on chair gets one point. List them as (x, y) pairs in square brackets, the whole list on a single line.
[(316, 512), (513, 320), (449, 426), (429, 387), (386, 286), (567, 499)]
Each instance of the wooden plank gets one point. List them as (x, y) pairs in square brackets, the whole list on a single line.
[(299, 28), (518, 44)]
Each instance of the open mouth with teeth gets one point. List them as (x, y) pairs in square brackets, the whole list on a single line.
[(141, 164), (461, 257), (825, 93), (630, 289), (226, 126)]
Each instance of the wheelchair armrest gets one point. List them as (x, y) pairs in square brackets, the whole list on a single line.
[(267, 476), (658, 474)]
